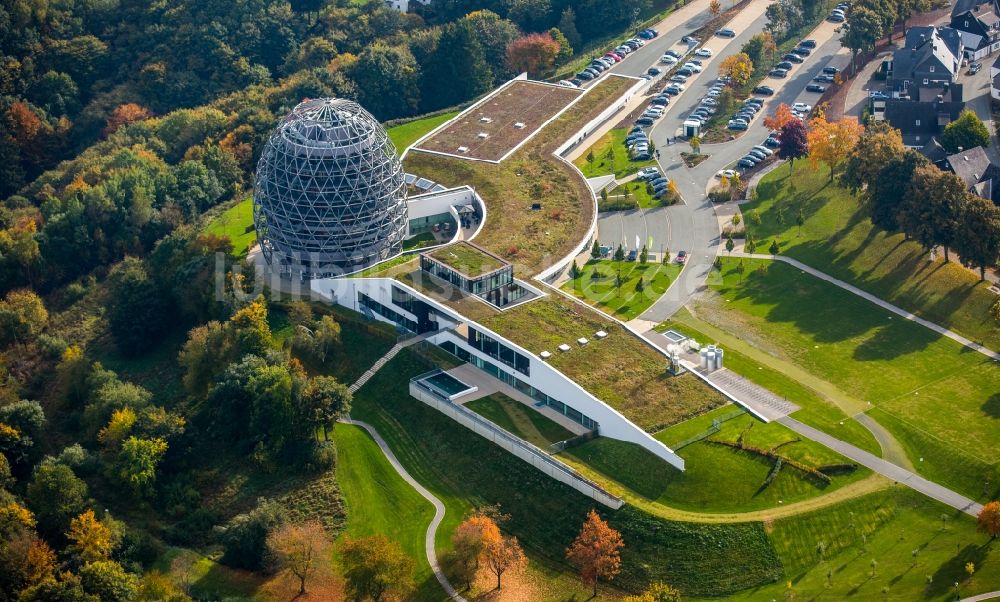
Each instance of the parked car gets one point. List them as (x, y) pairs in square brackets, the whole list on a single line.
[(778, 73), (746, 163), (703, 52), (711, 102), (786, 65), (690, 40), (685, 72), (660, 101), (767, 152), (673, 89), (737, 124), (751, 159), (726, 173), (764, 90), (831, 70), (666, 59), (654, 71), (681, 256), (567, 83), (824, 78), (646, 121), (878, 95), (693, 67), (801, 51), (576, 81), (673, 53), (647, 173), (772, 142), (974, 68), (802, 107), (679, 78), (807, 44), (725, 32), (836, 18), (815, 88), (756, 154)]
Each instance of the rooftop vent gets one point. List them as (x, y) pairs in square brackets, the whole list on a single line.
[(545, 355), (519, 125), (463, 149), (486, 120), (483, 135), (564, 347)]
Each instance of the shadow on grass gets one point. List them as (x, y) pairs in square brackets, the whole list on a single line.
[(953, 570), (992, 406)]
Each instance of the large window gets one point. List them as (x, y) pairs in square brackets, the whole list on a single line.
[(399, 319), (498, 350)]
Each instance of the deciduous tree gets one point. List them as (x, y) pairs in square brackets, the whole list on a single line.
[(657, 592), (137, 463), (931, 210), (502, 554), (794, 143), (887, 191), (738, 67), (109, 581), (22, 317), (988, 520), (715, 7), (534, 53), (978, 239), (388, 80), (966, 132), (324, 400), (91, 539), (299, 549), (782, 116), (468, 542), (125, 114), (596, 551), (878, 146), (831, 141), (865, 29), (55, 495), (137, 316), (375, 567)]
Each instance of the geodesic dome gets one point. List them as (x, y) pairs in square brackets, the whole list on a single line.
[(329, 195)]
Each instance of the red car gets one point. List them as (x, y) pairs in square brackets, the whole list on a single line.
[(682, 256)]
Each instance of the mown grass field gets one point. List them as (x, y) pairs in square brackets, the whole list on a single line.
[(920, 549), (610, 157), (596, 284), (519, 419), (903, 369), (465, 471), (717, 478), (236, 223), (837, 239)]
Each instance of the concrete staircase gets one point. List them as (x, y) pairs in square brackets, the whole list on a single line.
[(382, 361)]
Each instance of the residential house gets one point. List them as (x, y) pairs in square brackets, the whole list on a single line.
[(995, 80), (980, 175), (931, 57), (978, 21), (922, 118)]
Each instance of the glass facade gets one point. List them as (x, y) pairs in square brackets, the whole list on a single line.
[(374, 306), (499, 351), (419, 225), (495, 371)]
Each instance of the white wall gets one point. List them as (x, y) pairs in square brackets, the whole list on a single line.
[(519, 448), (544, 376)]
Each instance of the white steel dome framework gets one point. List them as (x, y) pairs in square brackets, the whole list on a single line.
[(329, 195)]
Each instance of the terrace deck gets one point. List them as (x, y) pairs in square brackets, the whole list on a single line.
[(507, 117), (467, 259)]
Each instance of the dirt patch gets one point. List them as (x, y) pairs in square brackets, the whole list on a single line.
[(501, 122), (693, 160)]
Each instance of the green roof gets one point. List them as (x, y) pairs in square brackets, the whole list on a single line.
[(467, 259)]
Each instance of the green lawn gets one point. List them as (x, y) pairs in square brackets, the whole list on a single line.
[(917, 555), (817, 410), (464, 471), (236, 223), (837, 239), (610, 157), (376, 498), (597, 279), (902, 368), (519, 419), (405, 134), (716, 478)]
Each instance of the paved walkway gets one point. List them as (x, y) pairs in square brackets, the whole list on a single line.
[(885, 468), (979, 597), (883, 304), (439, 510)]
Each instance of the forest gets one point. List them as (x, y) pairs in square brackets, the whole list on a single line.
[(136, 368)]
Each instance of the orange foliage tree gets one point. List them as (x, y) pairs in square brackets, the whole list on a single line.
[(782, 115), (468, 542), (738, 67), (90, 538), (501, 553), (596, 551), (125, 114), (989, 520), (535, 53), (299, 549), (715, 7), (831, 141)]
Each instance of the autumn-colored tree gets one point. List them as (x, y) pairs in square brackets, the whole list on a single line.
[(91, 539), (880, 145), (782, 115), (468, 542), (375, 567), (830, 142), (19, 244), (118, 428), (715, 7), (125, 114), (299, 549), (22, 317), (989, 519), (793, 142), (534, 53), (657, 592), (596, 551), (770, 46), (501, 553), (737, 67)]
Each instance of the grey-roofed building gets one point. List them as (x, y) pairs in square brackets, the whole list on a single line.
[(980, 175), (918, 122), (930, 57), (978, 21)]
